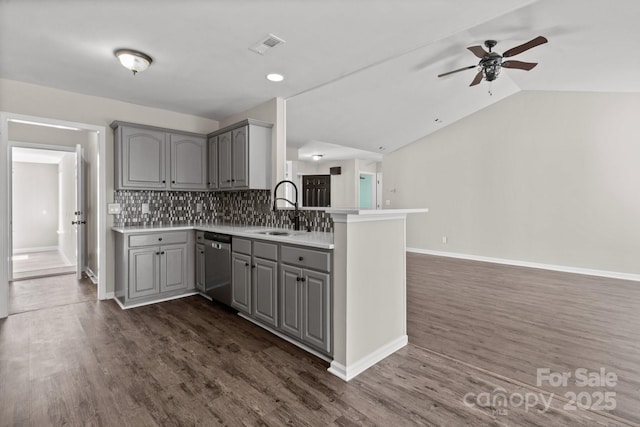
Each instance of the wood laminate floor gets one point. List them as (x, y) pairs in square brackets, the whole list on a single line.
[(48, 292), (40, 264), (190, 362), (513, 320)]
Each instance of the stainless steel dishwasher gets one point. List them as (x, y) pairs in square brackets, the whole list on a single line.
[(217, 267)]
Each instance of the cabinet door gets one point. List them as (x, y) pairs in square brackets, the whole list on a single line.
[(143, 158), (224, 160), (290, 300), (265, 291), (241, 282), (200, 263), (144, 270), (315, 309), (240, 158), (173, 268), (213, 163), (188, 162)]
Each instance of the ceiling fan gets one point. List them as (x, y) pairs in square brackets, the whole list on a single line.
[(492, 62)]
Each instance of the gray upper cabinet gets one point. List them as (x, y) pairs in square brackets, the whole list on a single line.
[(140, 158), (151, 158), (240, 158), (188, 162), (244, 155), (213, 182), (224, 160)]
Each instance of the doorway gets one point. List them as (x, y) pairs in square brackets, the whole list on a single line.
[(367, 191), (316, 190), (44, 204), (33, 129)]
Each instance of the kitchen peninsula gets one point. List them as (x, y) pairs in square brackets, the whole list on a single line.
[(368, 279)]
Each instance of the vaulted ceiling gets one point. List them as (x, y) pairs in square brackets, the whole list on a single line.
[(359, 73)]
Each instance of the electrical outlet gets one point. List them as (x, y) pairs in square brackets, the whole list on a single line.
[(387, 202), (198, 207), (445, 239), (145, 208), (114, 208)]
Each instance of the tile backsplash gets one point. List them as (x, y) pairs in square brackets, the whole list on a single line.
[(251, 207)]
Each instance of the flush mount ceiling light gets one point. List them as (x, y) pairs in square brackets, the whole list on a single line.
[(316, 157), (275, 77), (133, 60)]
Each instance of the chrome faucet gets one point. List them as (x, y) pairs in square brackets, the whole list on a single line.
[(295, 216)]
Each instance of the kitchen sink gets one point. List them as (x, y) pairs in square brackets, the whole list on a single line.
[(276, 232)]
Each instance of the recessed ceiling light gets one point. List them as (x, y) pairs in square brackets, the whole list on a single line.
[(274, 77), (316, 157), (133, 60)]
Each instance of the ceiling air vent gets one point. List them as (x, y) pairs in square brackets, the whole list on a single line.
[(266, 43)]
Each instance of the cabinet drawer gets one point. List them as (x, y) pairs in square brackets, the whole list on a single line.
[(265, 250), (241, 245), (158, 238), (199, 236), (306, 258)]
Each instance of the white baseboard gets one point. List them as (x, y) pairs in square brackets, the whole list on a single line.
[(552, 267), (91, 275), (347, 373), (188, 294), (37, 249), (110, 295)]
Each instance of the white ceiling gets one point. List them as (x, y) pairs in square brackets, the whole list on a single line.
[(359, 73)]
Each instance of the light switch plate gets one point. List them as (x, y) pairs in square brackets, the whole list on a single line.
[(145, 208), (114, 208), (198, 207)]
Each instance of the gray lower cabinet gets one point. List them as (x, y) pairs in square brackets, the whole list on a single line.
[(265, 291), (241, 282), (200, 271), (305, 306), (152, 266)]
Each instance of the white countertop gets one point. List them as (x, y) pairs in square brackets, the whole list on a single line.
[(357, 211), (314, 239)]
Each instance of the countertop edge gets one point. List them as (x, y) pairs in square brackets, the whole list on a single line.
[(244, 232)]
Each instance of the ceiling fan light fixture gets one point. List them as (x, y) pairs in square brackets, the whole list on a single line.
[(133, 60), (316, 157)]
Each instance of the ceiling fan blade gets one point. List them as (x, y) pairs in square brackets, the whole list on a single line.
[(477, 79), (478, 51), (519, 65), (526, 46), (455, 71)]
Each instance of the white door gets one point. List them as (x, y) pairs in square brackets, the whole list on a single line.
[(80, 221)]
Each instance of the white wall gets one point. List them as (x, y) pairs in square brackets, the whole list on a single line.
[(41, 101), (546, 177), (35, 205), (67, 239)]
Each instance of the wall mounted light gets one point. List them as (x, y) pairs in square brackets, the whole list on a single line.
[(133, 60), (316, 157)]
